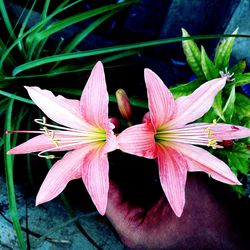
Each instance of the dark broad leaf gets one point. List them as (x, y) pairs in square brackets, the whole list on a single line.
[(209, 69), (223, 52), (242, 106), (228, 109), (217, 105), (209, 116), (239, 68), (193, 55), (242, 79), (185, 89), (238, 159), (239, 190)]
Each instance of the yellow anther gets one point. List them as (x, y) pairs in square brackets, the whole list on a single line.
[(212, 143), (207, 129), (214, 122), (51, 134), (210, 133)]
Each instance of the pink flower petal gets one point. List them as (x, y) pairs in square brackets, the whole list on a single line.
[(201, 160), (222, 131), (35, 144), (94, 99), (229, 132), (95, 177), (138, 140), (40, 143), (173, 175), (111, 141), (57, 108), (63, 171), (160, 100), (194, 106)]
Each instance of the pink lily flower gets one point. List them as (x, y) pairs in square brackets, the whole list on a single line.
[(86, 131), (168, 136)]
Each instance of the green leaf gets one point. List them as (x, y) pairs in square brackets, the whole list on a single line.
[(62, 24), (238, 68), (241, 79), (239, 190), (24, 24), (7, 20), (217, 105), (15, 97), (208, 68), (45, 9), (185, 89), (8, 159), (242, 106), (99, 51), (223, 52), (82, 35), (238, 159), (209, 116), (193, 55), (33, 29), (228, 109)]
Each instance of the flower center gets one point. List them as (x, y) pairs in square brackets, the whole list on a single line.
[(197, 135)]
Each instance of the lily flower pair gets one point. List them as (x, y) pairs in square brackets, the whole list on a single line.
[(87, 133)]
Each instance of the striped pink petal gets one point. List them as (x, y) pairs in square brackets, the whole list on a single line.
[(95, 177), (94, 99), (199, 159), (161, 102), (173, 175), (194, 106), (59, 109), (63, 171), (138, 140)]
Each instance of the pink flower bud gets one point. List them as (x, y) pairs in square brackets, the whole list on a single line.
[(146, 118), (115, 122), (123, 104)]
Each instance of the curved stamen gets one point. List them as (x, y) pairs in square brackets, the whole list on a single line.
[(199, 135)]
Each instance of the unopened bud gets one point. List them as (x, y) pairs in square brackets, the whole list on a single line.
[(146, 118), (115, 122), (123, 104)]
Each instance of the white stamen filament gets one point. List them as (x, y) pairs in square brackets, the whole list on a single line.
[(64, 137), (197, 135)]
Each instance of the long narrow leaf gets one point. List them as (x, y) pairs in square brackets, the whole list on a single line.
[(30, 41), (79, 37), (35, 27), (62, 24), (68, 68), (10, 181), (24, 24), (59, 25), (74, 55), (7, 20), (15, 97), (45, 9)]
